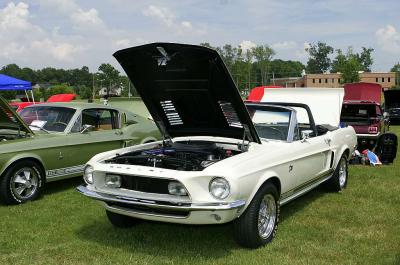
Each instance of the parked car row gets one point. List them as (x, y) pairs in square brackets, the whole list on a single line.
[(214, 159)]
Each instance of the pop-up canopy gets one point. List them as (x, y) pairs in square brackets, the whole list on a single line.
[(11, 83)]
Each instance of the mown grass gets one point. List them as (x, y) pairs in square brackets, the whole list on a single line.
[(359, 226)]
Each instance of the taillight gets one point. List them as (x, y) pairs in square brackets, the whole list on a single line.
[(373, 129)]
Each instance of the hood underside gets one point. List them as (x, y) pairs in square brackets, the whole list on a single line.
[(325, 103), (392, 98), (9, 119), (187, 90)]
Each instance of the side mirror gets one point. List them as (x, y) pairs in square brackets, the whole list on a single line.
[(305, 135), (86, 128)]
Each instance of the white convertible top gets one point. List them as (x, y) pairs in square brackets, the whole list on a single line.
[(325, 103)]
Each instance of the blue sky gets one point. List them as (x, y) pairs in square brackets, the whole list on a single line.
[(73, 33)]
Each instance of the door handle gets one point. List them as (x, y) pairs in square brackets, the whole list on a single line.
[(118, 132)]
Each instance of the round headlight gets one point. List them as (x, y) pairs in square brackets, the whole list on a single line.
[(219, 188), (88, 174)]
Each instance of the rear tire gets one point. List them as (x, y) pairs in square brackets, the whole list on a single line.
[(338, 181), (258, 224), (121, 221), (21, 182)]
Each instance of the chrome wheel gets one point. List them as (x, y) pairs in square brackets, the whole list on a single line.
[(342, 172), (267, 216), (24, 183)]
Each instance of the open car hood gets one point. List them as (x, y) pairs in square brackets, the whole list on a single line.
[(392, 98), (363, 91), (325, 103), (187, 90), (9, 119)]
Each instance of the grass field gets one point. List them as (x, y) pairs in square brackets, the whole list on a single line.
[(359, 226)]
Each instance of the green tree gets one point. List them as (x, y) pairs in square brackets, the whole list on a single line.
[(263, 55), (348, 65), (396, 70), (107, 75), (365, 59), (319, 61)]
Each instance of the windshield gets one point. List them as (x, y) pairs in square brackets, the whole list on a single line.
[(50, 118), (271, 123)]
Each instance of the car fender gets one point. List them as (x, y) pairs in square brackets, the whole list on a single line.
[(22, 156), (268, 175)]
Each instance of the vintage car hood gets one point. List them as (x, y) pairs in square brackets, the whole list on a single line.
[(325, 103), (187, 90), (9, 119), (392, 98)]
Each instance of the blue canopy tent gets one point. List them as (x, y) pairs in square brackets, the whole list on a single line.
[(11, 83)]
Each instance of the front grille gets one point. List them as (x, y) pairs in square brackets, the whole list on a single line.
[(145, 184), (149, 210)]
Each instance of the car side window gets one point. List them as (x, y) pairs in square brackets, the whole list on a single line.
[(100, 119)]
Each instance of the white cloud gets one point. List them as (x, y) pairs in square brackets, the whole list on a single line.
[(301, 53), (80, 17), (20, 39), (166, 17), (14, 16), (284, 45), (388, 39), (61, 51), (162, 14), (247, 45)]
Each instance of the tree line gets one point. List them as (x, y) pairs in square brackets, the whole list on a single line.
[(251, 67)]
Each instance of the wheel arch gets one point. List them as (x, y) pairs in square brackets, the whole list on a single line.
[(31, 157), (269, 177)]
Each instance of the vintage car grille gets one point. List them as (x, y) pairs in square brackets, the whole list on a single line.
[(145, 184), (150, 210)]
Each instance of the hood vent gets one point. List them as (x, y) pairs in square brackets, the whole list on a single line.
[(230, 114), (171, 113)]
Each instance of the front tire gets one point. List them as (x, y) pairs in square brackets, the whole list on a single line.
[(338, 181), (121, 221), (258, 224), (21, 182)]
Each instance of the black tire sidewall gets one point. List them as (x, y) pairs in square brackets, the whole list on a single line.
[(5, 186), (246, 226)]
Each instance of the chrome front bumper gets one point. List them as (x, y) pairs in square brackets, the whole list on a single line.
[(167, 205)]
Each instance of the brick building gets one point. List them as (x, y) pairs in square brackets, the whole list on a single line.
[(386, 80)]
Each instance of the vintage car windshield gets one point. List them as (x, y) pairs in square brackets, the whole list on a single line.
[(271, 123), (50, 118)]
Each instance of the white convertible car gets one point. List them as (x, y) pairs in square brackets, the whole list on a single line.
[(221, 160)]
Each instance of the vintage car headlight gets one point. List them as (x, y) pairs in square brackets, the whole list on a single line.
[(113, 181), (88, 174), (219, 188), (176, 188)]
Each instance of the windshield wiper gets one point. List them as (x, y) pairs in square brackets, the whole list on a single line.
[(40, 128)]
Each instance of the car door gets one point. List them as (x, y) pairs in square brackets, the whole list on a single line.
[(312, 159), (104, 134)]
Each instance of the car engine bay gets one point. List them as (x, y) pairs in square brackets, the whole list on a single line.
[(183, 156)]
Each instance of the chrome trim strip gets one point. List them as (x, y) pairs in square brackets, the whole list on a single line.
[(59, 172), (365, 135), (178, 207), (309, 185)]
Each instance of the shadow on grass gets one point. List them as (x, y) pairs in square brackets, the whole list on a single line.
[(178, 241), (61, 185), (172, 241), (300, 203)]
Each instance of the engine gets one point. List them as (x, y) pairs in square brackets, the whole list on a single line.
[(185, 156)]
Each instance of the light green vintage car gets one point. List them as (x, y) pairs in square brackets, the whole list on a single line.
[(53, 141)]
